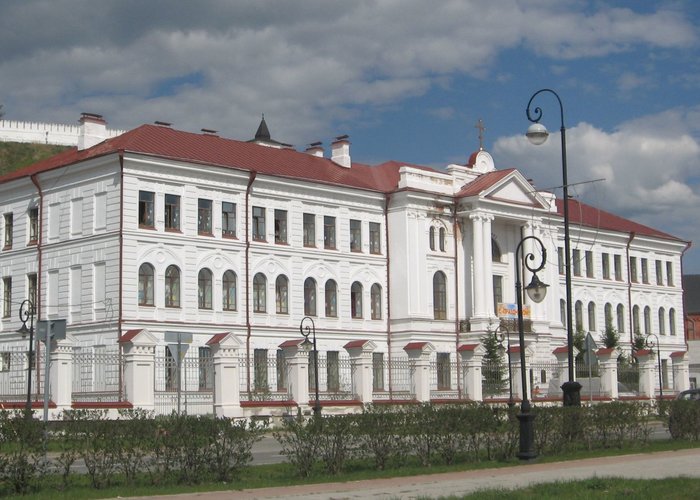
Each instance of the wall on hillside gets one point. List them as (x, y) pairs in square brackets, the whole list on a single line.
[(43, 133)]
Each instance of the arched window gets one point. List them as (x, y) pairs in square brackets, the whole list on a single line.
[(662, 321), (620, 318), (608, 315), (562, 311), (647, 320), (439, 295), (204, 282), (331, 299), (591, 317), (228, 286), (146, 285), (578, 315), (172, 286), (431, 238), (376, 301), (259, 293), (356, 300), (282, 294), (310, 297), (672, 321), (495, 251), (635, 319), (443, 239)]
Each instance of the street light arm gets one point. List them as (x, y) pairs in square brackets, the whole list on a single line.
[(536, 115)]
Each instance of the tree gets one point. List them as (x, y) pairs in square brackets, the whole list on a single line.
[(494, 368), (579, 342), (610, 337)]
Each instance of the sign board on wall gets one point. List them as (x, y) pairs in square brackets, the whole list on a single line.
[(510, 311)]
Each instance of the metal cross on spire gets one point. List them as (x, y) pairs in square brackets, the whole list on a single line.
[(480, 125)]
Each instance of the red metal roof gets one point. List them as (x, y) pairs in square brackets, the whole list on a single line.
[(216, 339), (482, 183), (129, 335)]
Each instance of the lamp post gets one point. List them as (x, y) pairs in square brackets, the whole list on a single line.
[(306, 330), (501, 334), (536, 290), (26, 313), (651, 344), (537, 134)]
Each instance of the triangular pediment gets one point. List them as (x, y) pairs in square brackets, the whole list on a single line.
[(514, 189)]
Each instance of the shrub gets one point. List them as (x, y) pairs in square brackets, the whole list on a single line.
[(300, 442), (378, 432)]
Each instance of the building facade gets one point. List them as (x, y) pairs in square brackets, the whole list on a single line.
[(189, 235)]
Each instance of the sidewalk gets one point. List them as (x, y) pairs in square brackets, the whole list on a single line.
[(638, 466)]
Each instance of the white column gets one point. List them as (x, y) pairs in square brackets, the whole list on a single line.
[(360, 352), (647, 372), (472, 358), (487, 284), (227, 388), (61, 373), (139, 350), (478, 264), (681, 371), (607, 359), (297, 372), (419, 357)]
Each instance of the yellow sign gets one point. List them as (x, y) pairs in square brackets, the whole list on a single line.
[(510, 311)]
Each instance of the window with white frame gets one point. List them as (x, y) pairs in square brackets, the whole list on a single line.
[(228, 219), (146, 284), (172, 212), (172, 286), (331, 292), (204, 217), (228, 289), (146, 213), (259, 293), (356, 300), (204, 288), (281, 294)]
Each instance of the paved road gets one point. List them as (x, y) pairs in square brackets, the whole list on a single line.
[(638, 466)]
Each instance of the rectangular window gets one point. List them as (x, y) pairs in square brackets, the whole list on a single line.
[(443, 371), (280, 226), (332, 371), (206, 369), (146, 214), (259, 223), (228, 219), (633, 270), (375, 238), (33, 225), (204, 214), (618, 267), (606, 266), (497, 292), (100, 211), (329, 232), (76, 216), (172, 212), (589, 264), (32, 287), (355, 235), (260, 370), (645, 271), (309, 230), (577, 262), (6, 297), (669, 273), (8, 231), (659, 273), (378, 371), (560, 260)]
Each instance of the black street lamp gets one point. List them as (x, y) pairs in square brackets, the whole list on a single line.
[(310, 329), (26, 313), (537, 134), (502, 334), (536, 290), (651, 344)]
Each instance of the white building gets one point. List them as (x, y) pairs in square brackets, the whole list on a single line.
[(172, 231)]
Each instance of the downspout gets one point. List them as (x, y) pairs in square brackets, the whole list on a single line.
[(120, 300), (387, 199), (629, 289), (37, 299), (251, 178), (455, 230)]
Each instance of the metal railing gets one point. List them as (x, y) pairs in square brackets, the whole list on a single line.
[(98, 375), (184, 386)]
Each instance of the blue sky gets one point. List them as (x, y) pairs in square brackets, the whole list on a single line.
[(407, 80)]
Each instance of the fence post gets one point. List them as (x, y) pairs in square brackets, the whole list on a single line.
[(681, 371), (139, 350), (562, 355), (227, 387), (297, 371), (472, 359), (61, 373), (419, 357), (360, 352), (607, 364), (647, 375)]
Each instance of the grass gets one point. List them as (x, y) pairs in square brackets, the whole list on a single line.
[(14, 155), (283, 475)]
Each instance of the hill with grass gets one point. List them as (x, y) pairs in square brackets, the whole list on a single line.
[(14, 155)]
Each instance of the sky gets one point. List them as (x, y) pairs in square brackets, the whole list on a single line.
[(406, 80)]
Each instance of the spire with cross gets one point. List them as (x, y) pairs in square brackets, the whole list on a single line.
[(480, 125)]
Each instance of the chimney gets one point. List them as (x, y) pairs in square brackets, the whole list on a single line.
[(315, 149), (93, 130), (340, 151)]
